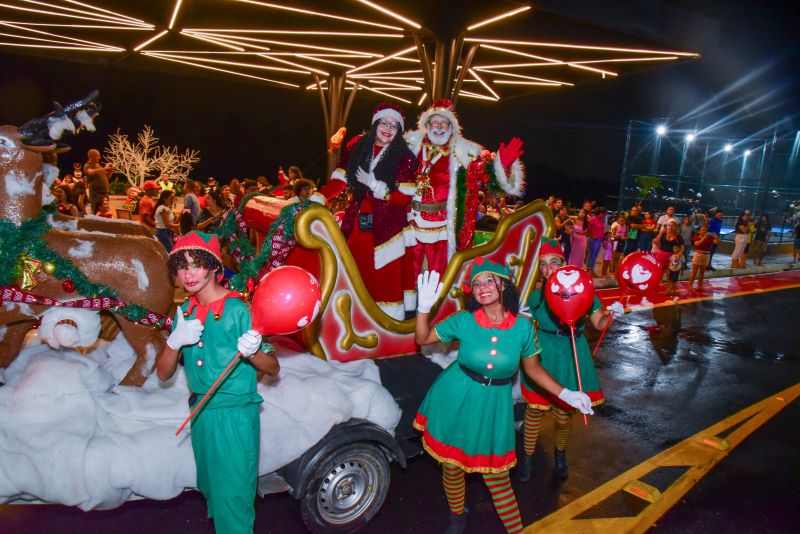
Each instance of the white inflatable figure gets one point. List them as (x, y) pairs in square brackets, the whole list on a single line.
[(69, 327)]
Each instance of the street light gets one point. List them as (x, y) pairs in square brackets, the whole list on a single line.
[(661, 130), (690, 137), (728, 148), (746, 153)]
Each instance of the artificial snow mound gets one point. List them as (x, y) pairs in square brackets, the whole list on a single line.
[(70, 435)]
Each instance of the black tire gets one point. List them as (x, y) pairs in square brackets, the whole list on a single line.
[(347, 489)]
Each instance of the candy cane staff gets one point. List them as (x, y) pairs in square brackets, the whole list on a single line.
[(558, 359), (467, 416), (209, 327)]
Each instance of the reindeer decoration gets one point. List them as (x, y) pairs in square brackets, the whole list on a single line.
[(135, 266)]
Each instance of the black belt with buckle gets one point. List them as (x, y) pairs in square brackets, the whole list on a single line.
[(562, 332), (485, 380), (193, 398), (427, 207)]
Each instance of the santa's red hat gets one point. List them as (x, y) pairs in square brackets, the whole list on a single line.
[(197, 240), (150, 184), (390, 111), (443, 107)]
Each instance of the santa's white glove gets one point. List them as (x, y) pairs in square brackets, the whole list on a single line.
[(428, 289), (185, 332), (578, 400), (525, 311), (378, 188), (616, 308), (319, 198), (248, 343)]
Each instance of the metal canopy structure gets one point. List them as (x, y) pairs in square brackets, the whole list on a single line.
[(411, 51)]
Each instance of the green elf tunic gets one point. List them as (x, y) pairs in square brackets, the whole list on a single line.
[(226, 430), (558, 359), (464, 422)]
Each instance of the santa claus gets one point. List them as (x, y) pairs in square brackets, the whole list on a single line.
[(445, 189)]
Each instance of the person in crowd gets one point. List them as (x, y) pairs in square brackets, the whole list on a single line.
[(665, 241), (78, 197), (597, 228), (467, 416), (64, 206), (558, 361), (556, 206), (236, 193), (687, 232), (263, 184), (664, 220), (565, 238), (740, 240), (302, 189), (166, 227), (212, 184), (200, 191), (751, 230), (634, 224), (211, 217), (97, 175), (211, 326), (619, 237), (796, 234), (675, 265), (580, 228), (191, 203), (647, 232), (103, 208), (715, 229), (147, 206), (703, 241), (763, 230), (608, 254)]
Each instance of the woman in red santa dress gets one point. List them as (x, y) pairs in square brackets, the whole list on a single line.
[(375, 223)]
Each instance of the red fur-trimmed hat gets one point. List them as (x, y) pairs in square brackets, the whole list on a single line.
[(391, 111), (196, 240), (443, 107), (482, 265), (550, 246)]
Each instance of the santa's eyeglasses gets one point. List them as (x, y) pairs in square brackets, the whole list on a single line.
[(439, 123)]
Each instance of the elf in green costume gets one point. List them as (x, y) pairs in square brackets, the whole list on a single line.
[(209, 328), (467, 419), (558, 360)]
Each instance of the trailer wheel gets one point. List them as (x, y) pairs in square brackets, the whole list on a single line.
[(347, 489)]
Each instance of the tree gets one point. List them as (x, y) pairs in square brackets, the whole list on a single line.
[(647, 184), (138, 160)]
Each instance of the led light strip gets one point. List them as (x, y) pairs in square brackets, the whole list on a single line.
[(298, 32), (219, 42), (523, 76), (381, 60), (200, 65), (151, 40), (580, 47), (322, 60), (484, 84), (523, 82), (319, 14), (243, 40), (232, 63), (63, 38), (82, 15), (391, 13), (498, 17), (551, 60), (112, 13), (174, 14)]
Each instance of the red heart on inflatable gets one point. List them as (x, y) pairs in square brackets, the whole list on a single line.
[(639, 274), (569, 292)]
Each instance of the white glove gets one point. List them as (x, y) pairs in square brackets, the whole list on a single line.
[(578, 400), (319, 198), (248, 343), (428, 289), (525, 311), (616, 308), (378, 188), (185, 332)]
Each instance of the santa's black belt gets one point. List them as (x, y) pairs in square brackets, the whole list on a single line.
[(562, 333), (427, 207), (484, 380)]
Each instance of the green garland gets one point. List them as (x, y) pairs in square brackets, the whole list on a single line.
[(493, 185), (250, 269), (26, 240), (461, 198)]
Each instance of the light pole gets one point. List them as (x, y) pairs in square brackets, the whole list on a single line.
[(624, 166)]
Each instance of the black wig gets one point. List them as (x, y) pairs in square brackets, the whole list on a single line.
[(509, 298), (361, 156)]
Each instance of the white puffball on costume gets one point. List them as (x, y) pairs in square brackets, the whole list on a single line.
[(57, 333)]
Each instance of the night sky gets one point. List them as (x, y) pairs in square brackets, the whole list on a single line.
[(574, 137)]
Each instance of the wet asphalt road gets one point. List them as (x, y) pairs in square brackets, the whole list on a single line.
[(705, 361)]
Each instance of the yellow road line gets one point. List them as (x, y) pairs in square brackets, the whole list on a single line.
[(709, 297), (698, 454)]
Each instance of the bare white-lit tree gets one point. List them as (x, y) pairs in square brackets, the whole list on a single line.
[(146, 157)]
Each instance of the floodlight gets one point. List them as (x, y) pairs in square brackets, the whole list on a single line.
[(690, 137), (746, 153), (661, 130), (728, 148)]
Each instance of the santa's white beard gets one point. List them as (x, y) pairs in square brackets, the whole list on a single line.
[(439, 139)]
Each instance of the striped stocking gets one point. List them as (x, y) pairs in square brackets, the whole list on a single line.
[(532, 426), (505, 502), (454, 487), (563, 427)]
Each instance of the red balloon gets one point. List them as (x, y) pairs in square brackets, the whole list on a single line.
[(569, 292), (639, 274), (287, 299), (339, 217)]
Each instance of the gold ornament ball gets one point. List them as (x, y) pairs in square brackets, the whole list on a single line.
[(49, 267)]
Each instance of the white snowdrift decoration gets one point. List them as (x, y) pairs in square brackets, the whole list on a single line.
[(68, 435)]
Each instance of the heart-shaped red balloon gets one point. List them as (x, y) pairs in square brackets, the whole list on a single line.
[(569, 292), (287, 299), (639, 274)]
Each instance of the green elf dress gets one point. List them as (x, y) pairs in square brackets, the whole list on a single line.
[(226, 430), (557, 357), (467, 417)]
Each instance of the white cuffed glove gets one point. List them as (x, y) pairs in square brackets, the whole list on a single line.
[(616, 308), (525, 311), (185, 332), (319, 198), (378, 188), (248, 343), (578, 400), (428, 289)]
